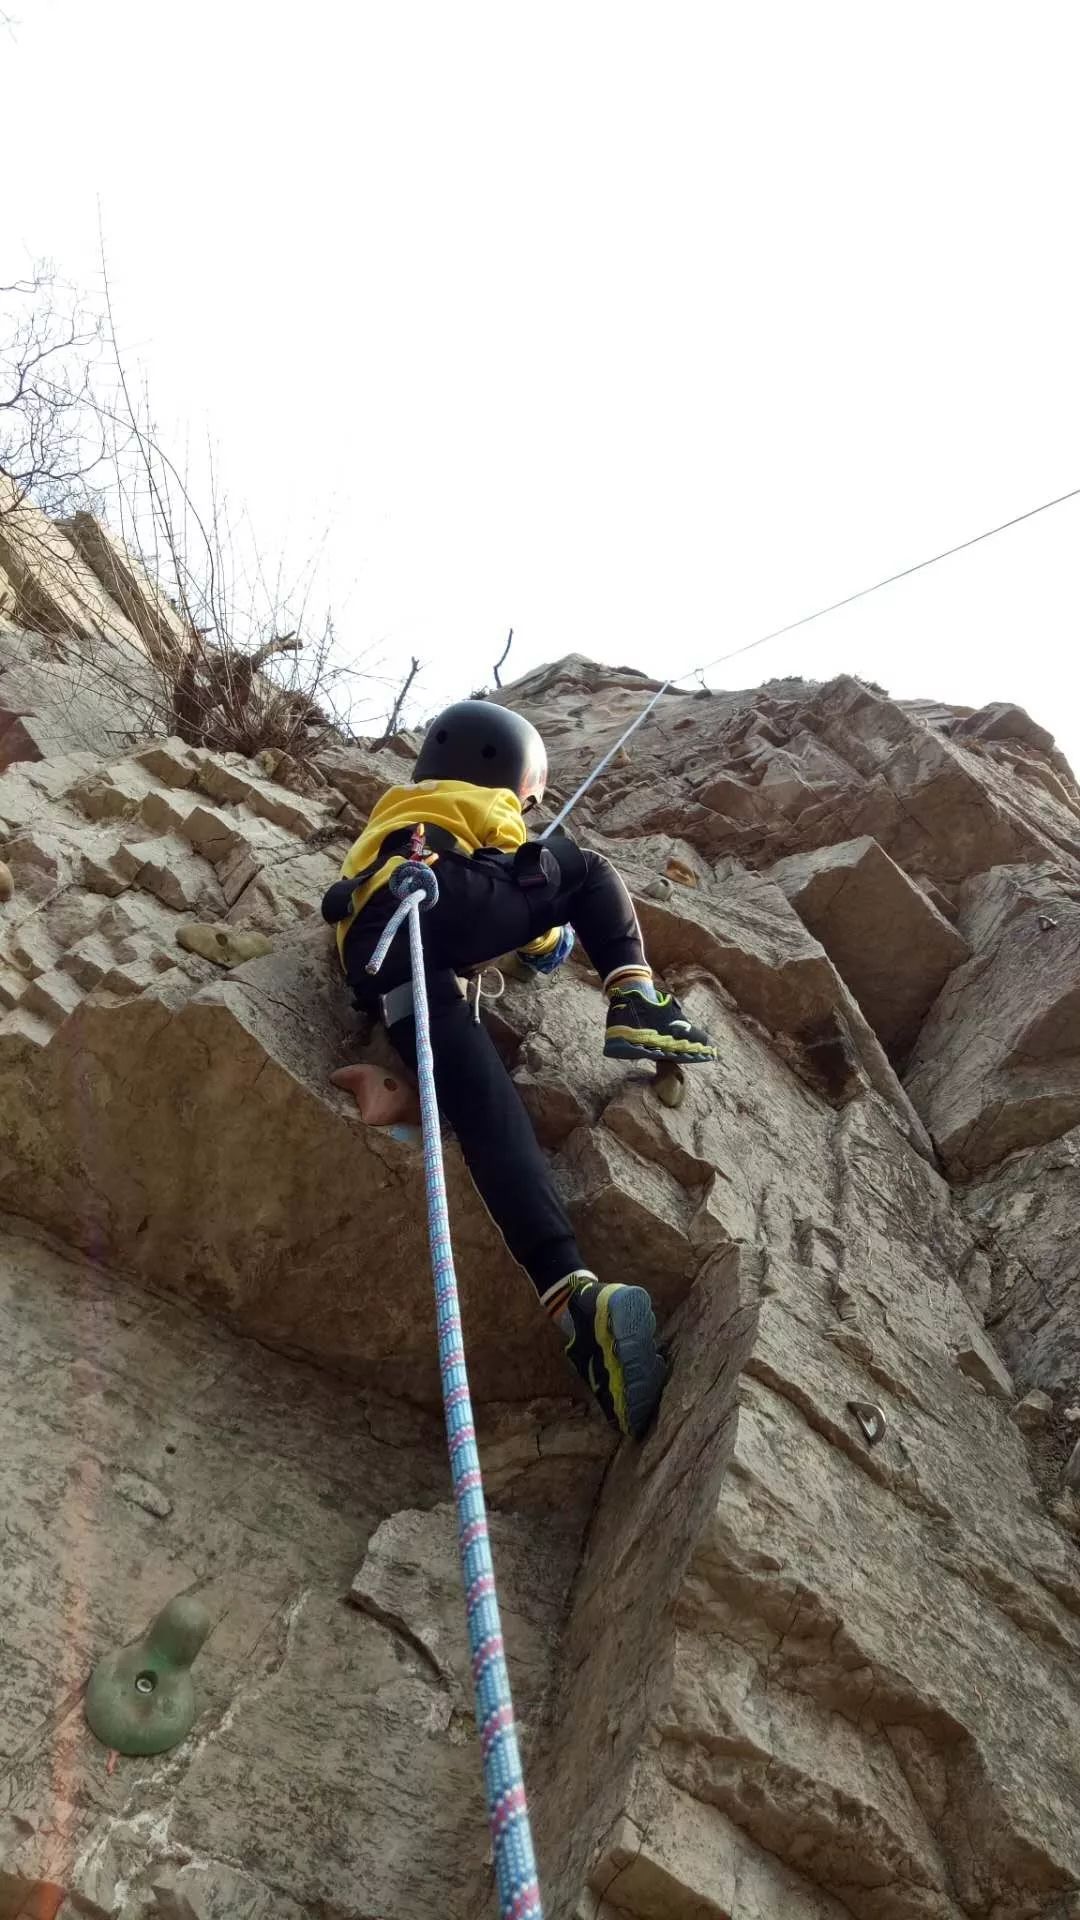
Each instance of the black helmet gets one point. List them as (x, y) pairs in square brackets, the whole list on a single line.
[(489, 746)]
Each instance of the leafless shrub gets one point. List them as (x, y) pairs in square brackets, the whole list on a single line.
[(247, 669), (393, 718), (50, 443), (226, 654)]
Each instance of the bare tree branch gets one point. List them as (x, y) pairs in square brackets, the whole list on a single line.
[(218, 655), (395, 711), (501, 661), (50, 445), (285, 643)]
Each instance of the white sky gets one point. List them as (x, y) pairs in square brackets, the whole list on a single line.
[(643, 329)]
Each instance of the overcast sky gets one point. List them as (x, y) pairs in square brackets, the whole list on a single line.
[(642, 329)]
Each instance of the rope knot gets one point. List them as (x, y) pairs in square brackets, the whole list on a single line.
[(412, 877)]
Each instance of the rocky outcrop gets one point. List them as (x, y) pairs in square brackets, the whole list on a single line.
[(129, 587), (106, 994), (1026, 1214), (51, 587), (796, 767), (866, 911), (812, 1650), (997, 1066), (797, 1732), (53, 704)]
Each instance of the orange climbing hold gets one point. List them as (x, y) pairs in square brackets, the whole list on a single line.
[(384, 1099)]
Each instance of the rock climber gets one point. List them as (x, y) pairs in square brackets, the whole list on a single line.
[(481, 769)]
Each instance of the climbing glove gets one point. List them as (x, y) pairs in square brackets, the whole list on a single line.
[(553, 959)]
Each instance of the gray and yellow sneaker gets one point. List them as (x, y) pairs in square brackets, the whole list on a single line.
[(613, 1346), (640, 1028)]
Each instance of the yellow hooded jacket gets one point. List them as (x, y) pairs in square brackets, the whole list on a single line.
[(476, 816)]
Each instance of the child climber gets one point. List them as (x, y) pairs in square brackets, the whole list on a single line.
[(481, 768)]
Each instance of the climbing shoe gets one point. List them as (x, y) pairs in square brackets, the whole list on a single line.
[(639, 1028), (613, 1346)]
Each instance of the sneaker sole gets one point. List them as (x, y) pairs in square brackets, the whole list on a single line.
[(626, 1333), (622, 1045)]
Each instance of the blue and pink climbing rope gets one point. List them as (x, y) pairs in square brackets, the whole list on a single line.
[(416, 887)]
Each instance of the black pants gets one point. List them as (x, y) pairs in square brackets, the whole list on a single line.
[(481, 914)]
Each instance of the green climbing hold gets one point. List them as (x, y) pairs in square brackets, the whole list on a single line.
[(142, 1699)]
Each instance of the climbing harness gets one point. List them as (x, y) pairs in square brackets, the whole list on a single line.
[(337, 901), (415, 887)]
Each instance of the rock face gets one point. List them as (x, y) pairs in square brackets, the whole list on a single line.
[(997, 1066), (146, 1452), (773, 1662), (128, 586), (1028, 1210), (865, 911), (50, 587)]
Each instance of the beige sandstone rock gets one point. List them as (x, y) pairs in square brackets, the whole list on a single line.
[(53, 701), (745, 934), (848, 762), (225, 946), (785, 1672), (169, 1455), (1002, 721), (362, 775), (411, 1578), (55, 590), (886, 940), (8, 599), (805, 1734), (170, 762), (129, 586), (976, 1358), (1028, 1209), (997, 1066), (1033, 1411)]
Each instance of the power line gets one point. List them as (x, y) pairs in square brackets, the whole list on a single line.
[(889, 580)]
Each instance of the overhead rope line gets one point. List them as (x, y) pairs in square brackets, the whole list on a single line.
[(416, 887), (792, 627)]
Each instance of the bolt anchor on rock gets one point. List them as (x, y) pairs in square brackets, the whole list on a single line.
[(141, 1700), (870, 1418)]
